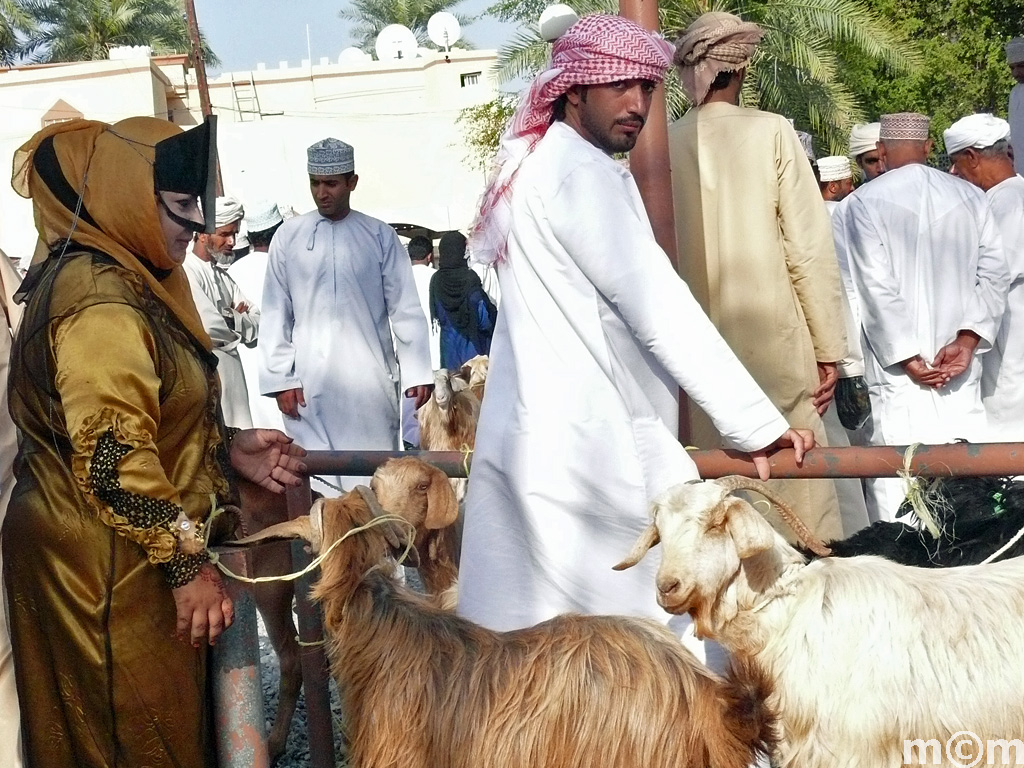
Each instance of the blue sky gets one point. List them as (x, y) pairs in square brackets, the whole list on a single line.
[(245, 32)]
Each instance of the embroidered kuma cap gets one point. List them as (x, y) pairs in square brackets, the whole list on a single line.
[(262, 215), (834, 168), (901, 126), (330, 157)]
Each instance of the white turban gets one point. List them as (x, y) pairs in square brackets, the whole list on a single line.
[(863, 138), (977, 131), (229, 209)]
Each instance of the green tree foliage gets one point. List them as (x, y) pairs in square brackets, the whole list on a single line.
[(15, 23), (371, 16), (483, 126), (796, 71), (962, 44), (84, 30)]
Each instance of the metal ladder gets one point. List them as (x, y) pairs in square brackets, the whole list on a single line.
[(247, 100)]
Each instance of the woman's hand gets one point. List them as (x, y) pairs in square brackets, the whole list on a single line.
[(800, 440), (267, 457), (204, 608)]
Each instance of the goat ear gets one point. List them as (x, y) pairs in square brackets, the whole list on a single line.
[(750, 532), (442, 506), (647, 540)]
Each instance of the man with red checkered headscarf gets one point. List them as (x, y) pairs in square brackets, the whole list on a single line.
[(595, 333)]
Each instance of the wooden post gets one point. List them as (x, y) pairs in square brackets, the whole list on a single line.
[(649, 163), (200, 66)]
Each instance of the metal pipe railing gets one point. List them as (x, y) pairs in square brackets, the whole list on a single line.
[(955, 459)]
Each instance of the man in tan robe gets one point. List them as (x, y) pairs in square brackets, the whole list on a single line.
[(755, 244), (10, 715)]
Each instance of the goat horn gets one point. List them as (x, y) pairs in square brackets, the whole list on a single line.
[(299, 528), (647, 540), (737, 483), (390, 531)]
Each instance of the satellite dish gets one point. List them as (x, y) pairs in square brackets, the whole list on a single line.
[(395, 42), (353, 56), (555, 20), (444, 30)]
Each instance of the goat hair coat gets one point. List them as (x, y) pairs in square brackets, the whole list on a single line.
[(578, 426)]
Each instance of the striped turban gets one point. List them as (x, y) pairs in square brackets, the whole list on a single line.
[(716, 42), (596, 50)]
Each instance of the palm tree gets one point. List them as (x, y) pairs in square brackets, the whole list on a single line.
[(13, 19), (84, 30), (371, 16), (795, 70)]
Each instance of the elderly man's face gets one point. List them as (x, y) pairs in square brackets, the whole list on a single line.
[(968, 165), (611, 116), (222, 240)]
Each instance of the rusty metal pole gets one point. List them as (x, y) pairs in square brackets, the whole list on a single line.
[(649, 164), (312, 658), (952, 460), (237, 689), (199, 63)]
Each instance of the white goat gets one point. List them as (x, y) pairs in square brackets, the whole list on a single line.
[(424, 688), (865, 655), (448, 419)]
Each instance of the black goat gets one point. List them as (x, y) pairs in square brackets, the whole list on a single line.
[(976, 515)]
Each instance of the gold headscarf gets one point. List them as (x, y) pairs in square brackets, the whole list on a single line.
[(109, 170), (716, 42)]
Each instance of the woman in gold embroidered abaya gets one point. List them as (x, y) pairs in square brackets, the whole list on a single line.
[(124, 453)]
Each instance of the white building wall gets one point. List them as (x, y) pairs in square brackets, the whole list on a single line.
[(100, 90), (400, 116)]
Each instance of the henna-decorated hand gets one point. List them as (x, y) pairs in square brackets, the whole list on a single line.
[(204, 608)]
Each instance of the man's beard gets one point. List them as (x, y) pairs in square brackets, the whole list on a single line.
[(222, 258)]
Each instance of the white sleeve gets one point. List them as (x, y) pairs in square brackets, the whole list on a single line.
[(247, 323), (275, 351), (205, 295), (853, 363), (408, 323), (614, 247), (987, 303)]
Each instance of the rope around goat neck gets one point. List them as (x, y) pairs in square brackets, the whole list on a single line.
[(315, 563)]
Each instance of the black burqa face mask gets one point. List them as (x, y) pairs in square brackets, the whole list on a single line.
[(187, 164)]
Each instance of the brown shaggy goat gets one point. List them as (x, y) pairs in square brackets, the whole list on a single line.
[(448, 419), (448, 423), (423, 688), (422, 495)]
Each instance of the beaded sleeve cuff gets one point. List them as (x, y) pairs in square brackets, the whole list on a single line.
[(140, 511), (144, 514), (182, 568)]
